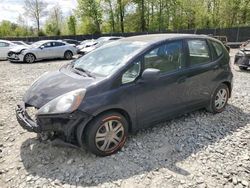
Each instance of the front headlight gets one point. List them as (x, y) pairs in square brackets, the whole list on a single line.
[(65, 103)]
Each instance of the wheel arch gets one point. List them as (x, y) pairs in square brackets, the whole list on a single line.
[(68, 50), (32, 54), (229, 85), (81, 128)]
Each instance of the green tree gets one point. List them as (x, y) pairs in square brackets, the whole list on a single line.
[(72, 25), (91, 10)]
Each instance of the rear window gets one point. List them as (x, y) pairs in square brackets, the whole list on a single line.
[(218, 48), (198, 52)]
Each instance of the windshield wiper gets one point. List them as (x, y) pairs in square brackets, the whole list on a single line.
[(85, 71)]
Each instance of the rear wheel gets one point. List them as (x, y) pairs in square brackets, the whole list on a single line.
[(68, 55), (219, 99), (106, 134), (29, 58), (242, 68)]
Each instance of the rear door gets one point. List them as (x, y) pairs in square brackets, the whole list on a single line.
[(201, 72), (4, 49)]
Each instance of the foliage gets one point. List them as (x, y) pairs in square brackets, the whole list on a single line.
[(111, 16), (53, 23), (72, 25), (35, 9)]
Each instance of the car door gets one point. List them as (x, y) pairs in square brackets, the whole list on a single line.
[(158, 99), (4, 49), (59, 49), (46, 51), (201, 74)]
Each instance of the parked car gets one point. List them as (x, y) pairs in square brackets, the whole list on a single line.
[(45, 49), (127, 85), (85, 44), (5, 46), (98, 43), (224, 40), (244, 44), (20, 43), (72, 41), (242, 57)]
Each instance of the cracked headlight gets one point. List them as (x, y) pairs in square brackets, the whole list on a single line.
[(65, 103)]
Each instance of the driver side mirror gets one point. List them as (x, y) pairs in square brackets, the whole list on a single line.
[(150, 74), (41, 47)]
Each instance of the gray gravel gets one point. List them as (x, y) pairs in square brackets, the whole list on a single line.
[(195, 150)]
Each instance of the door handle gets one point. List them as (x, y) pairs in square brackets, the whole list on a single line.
[(182, 79)]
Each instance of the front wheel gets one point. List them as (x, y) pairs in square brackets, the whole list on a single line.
[(106, 134), (29, 58), (219, 99), (68, 55)]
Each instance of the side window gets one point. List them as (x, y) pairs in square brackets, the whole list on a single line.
[(48, 45), (132, 73), (218, 48), (3, 44), (58, 44), (198, 52), (166, 58)]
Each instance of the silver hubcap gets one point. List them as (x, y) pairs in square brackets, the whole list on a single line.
[(221, 99), (109, 135), (30, 58)]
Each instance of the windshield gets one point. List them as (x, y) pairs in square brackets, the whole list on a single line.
[(106, 60)]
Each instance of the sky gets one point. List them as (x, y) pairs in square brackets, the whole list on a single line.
[(11, 9)]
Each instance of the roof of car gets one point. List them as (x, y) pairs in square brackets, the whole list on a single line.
[(5, 41), (152, 38)]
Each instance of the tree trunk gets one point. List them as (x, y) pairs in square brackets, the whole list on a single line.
[(143, 23), (112, 16), (121, 13)]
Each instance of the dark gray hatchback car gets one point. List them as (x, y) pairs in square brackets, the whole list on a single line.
[(125, 86)]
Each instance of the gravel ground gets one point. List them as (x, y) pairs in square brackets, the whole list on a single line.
[(195, 150)]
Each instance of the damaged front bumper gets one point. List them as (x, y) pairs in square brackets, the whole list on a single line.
[(61, 124), (243, 61), (15, 57)]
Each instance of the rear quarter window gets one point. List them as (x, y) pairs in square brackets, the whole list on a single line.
[(198, 52), (218, 48)]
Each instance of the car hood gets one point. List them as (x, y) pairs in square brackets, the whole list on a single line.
[(19, 48), (53, 84)]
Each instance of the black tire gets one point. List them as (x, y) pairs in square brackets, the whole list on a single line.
[(93, 143), (29, 58), (242, 68), (68, 55), (213, 105)]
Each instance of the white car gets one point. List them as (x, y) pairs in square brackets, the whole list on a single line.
[(98, 43), (45, 49), (85, 43), (5, 46), (20, 43)]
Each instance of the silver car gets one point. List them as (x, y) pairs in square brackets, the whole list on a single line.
[(46, 49), (5, 46)]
